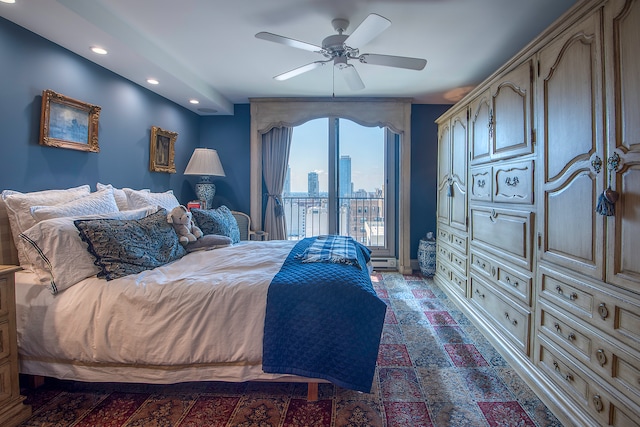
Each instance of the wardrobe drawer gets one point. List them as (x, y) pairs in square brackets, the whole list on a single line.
[(482, 263), (481, 179), (513, 182), (563, 373), (511, 319), (619, 366), (444, 236), (561, 331), (444, 253), (517, 284), (506, 233), (459, 281), (617, 316), (459, 262), (588, 391), (442, 270), (459, 242)]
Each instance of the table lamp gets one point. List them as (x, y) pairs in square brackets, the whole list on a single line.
[(205, 163)]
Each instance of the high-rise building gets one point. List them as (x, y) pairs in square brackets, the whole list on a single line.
[(344, 176), (313, 185)]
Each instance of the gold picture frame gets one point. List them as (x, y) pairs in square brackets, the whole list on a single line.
[(162, 154), (68, 123)]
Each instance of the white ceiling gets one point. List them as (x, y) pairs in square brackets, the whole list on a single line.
[(206, 49)]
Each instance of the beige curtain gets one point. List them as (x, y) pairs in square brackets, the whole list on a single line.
[(275, 159)]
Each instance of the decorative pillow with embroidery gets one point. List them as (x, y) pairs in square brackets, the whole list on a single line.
[(124, 247), (217, 221), (58, 255)]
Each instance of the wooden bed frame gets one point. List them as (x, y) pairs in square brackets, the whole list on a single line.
[(9, 256)]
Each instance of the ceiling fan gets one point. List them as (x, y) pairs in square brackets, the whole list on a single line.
[(340, 48)]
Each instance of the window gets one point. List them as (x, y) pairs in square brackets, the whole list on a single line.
[(394, 113), (339, 171)]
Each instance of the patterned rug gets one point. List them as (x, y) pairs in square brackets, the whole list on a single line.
[(434, 369)]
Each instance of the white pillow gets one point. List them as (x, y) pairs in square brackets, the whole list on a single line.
[(138, 199), (119, 194), (19, 210), (58, 255), (100, 202)]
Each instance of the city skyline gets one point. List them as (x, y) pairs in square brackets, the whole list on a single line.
[(309, 153)]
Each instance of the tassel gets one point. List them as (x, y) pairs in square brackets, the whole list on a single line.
[(606, 202)]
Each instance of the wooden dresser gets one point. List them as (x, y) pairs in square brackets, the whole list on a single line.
[(554, 284), (12, 409)]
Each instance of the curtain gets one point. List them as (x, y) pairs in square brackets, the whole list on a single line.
[(275, 159)]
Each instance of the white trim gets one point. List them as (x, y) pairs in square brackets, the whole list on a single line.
[(394, 113)]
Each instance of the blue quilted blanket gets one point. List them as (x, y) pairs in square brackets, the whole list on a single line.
[(323, 320)]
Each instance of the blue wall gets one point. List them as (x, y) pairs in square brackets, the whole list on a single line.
[(424, 170), (30, 64)]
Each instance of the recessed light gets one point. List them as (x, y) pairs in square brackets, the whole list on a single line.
[(8, 1), (194, 101), (98, 50), (152, 81)]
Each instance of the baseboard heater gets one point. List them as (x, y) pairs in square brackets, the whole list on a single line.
[(384, 263)]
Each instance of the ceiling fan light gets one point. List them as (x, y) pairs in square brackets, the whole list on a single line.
[(340, 62)]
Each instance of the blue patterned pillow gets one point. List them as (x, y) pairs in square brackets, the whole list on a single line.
[(217, 221), (124, 247)]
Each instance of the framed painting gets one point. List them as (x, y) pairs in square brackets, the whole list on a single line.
[(68, 123), (162, 153)]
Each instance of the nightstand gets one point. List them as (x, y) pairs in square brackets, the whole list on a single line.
[(12, 409)]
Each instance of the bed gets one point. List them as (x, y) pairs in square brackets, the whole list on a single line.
[(251, 311)]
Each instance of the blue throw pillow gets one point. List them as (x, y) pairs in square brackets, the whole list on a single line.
[(217, 221), (123, 247)]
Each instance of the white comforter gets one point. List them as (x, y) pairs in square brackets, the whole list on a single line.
[(204, 310)]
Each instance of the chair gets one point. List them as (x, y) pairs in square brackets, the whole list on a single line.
[(244, 224)]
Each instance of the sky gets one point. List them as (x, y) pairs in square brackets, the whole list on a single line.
[(309, 153)]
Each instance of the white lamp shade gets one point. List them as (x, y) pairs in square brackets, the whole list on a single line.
[(204, 162)]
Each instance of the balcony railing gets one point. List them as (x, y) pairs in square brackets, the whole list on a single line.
[(359, 217)]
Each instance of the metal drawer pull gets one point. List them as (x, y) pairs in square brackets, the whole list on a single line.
[(571, 297), (571, 335), (602, 358), (479, 294), (603, 311), (512, 182), (567, 377), (514, 284), (513, 322), (597, 402)]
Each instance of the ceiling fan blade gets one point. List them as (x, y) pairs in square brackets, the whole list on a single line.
[(393, 61), (351, 76), (368, 29), (287, 41), (299, 70)]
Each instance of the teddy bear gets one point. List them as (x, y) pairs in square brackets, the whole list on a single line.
[(184, 225)]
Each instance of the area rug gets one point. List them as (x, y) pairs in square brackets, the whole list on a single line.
[(434, 369)]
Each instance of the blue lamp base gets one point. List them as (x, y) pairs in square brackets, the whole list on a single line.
[(205, 190)]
